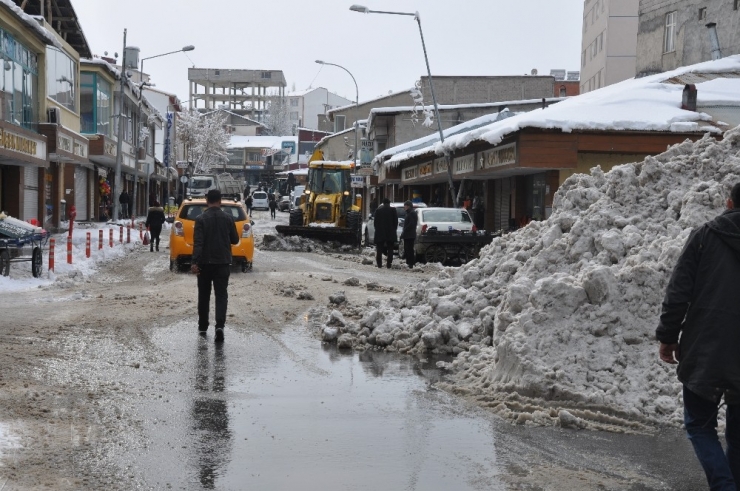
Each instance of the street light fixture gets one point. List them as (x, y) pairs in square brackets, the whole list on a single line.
[(357, 103), (364, 10)]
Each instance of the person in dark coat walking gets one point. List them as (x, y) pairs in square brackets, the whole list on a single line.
[(700, 330), (123, 200), (408, 234), (247, 191), (213, 235), (386, 224), (249, 201), (154, 221), (273, 206)]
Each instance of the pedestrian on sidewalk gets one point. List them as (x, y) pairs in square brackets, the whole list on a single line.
[(386, 224), (273, 206), (123, 200), (408, 234), (248, 201), (700, 330), (213, 235), (247, 189), (154, 221)]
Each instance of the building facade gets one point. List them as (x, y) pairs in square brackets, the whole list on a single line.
[(306, 106), (608, 43), (674, 33)]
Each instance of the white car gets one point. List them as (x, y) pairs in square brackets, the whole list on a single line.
[(260, 200), (401, 211), (432, 220)]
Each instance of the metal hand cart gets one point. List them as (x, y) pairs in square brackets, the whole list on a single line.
[(21, 243), (455, 246)]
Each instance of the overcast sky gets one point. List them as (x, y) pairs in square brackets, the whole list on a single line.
[(383, 52)]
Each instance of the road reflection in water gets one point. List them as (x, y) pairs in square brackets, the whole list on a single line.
[(211, 433)]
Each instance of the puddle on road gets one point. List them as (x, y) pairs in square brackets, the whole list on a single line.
[(283, 412)]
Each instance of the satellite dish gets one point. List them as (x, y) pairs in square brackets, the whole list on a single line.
[(534, 71)]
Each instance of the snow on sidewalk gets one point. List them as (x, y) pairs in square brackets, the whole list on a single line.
[(21, 279), (554, 323)]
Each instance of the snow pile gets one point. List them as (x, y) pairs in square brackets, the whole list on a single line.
[(292, 243), (21, 279), (554, 324)]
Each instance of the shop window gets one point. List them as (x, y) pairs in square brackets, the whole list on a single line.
[(61, 78), (18, 82), (669, 41)]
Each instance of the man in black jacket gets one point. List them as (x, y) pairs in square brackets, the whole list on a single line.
[(408, 234), (154, 221), (213, 235), (701, 306), (123, 200), (386, 225)]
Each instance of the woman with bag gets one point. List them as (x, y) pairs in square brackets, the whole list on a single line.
[(154, 220)]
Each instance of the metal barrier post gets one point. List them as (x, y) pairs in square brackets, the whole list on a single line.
[(100, 239), (69, 249), (51, 254), (110, 237), (87, 245)]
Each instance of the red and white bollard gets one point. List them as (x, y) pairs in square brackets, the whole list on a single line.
[(69, 249), (100, 239), (51, 254), (110, 237), (128, 234), (87, 246), (120, 235)]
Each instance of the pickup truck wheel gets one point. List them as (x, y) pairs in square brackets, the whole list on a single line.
[(173, 265), (296, 218), (435, 254)]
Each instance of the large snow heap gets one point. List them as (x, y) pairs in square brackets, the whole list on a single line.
[(554, 323)]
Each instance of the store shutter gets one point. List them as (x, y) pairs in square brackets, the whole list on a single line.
[(81, 193), (30, 193), (502, 188)]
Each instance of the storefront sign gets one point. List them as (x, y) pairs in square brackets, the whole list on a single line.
[(288, 147), (358, 181), (110, 148), (425, 170), (18, 143), (504, 155), (365, 171), (409, 173), (80, 149), (440, 165), (463, 165), (168, 139), (64, 143)]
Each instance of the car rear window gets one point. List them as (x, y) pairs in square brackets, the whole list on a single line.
[(450, 215), (191, 212), (259, 195)]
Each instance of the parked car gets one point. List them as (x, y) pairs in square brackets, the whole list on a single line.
[(439, 219), (260, 200), (284, 203), (181, 235), (370, 225)]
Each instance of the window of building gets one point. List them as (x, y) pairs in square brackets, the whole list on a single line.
[(594, 48), (95, 104), (294, 115), (18, 83), (266, 74), (601, 42), (598, 80), (563, 92), (583, 59), (61, 78), (294, 102), (735, 4), (339, 123), (669, 42), (702, 13)]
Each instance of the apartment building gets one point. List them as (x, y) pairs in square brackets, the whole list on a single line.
[(307, 105)]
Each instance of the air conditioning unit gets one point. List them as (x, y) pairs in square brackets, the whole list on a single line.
[(53, 116)]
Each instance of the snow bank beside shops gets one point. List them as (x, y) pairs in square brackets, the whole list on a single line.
[(554, 323), (21, 279)]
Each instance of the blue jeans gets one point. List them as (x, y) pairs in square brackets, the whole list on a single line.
[(700, 418)]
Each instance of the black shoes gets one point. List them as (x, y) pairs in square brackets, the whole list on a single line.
[(202, 331), (219, 335)]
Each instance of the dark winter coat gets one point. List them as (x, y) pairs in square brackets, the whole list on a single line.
[(386, 224), (273, 205), (409, 225), (701, 304), (154, 220), (213, 235), (249, 202), (123, 198)]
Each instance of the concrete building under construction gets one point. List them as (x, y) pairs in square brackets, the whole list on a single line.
[(245, 92)]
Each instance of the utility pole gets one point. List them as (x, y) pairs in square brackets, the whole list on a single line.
[(119, 145)]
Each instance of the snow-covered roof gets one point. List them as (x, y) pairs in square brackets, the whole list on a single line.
[(367, 101), (32, 23), (644, 104), (301, 93), (241, 141), (295, 172), (361, 123)]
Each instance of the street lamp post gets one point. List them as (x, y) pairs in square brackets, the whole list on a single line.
[(189, 47), (357, 103), (119, 144), (364, 10)]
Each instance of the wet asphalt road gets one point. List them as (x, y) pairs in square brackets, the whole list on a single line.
[(276, 409)]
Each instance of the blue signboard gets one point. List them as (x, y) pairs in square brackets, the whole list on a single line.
[(288, 147)]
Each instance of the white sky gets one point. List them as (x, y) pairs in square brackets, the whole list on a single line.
[(383, 52)]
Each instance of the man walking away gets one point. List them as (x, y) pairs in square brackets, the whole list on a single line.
[(408, 234), (247, 189), (248, 201), (700, 330), (273, 206), (154, 221), (386, 224), (123, 201), (213, 236)]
